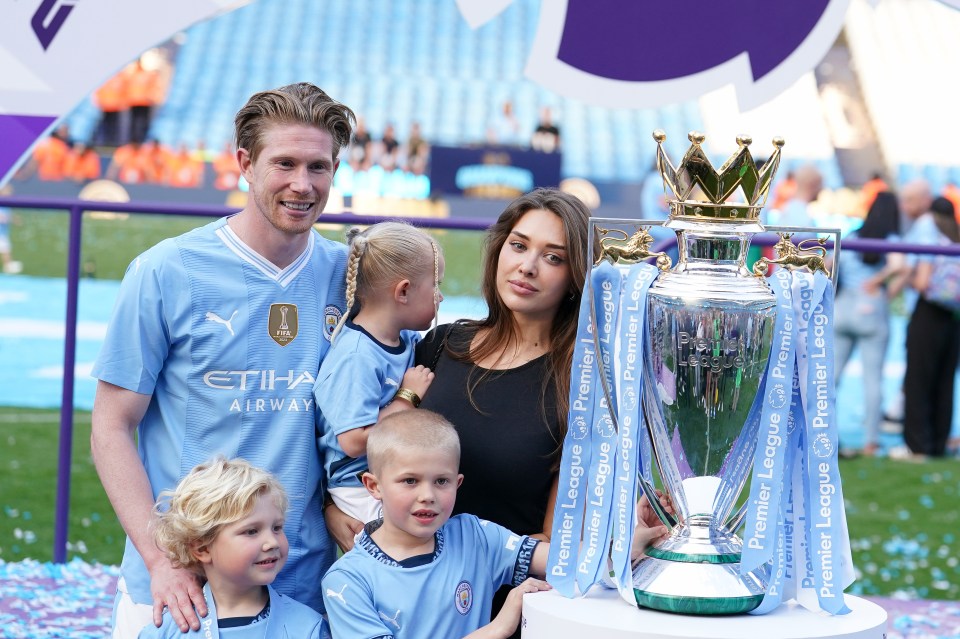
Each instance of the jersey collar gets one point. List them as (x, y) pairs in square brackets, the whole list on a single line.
[(282, 276)]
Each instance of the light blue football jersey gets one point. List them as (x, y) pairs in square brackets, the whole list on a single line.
[(358, 378), (228, 346), (368, 594)]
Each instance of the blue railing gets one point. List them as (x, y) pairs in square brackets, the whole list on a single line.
[(76, 208)]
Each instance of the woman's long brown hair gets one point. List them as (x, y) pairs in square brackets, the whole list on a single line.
[(499, 327)]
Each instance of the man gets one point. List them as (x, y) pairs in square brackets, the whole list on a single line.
[(213, 347)]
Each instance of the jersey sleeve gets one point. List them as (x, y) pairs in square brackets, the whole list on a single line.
[(348, 390), (508, 555), (350, 607), (144, 322)]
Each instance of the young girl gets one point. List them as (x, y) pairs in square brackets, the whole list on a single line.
[(225, 521), (393, 290)]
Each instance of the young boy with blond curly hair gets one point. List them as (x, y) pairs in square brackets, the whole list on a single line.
[(224, 521)]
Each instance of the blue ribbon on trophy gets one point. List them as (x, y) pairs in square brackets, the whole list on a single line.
[(575, 459), (597, 485), (606, 288), (634, 446)]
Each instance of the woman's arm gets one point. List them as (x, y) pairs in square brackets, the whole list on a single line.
[(548, 515)]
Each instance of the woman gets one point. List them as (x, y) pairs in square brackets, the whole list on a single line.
[(933, 349), (503, 380), (861, 309)]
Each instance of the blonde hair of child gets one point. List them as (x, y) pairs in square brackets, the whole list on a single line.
[(384, 254), (214, 494), (410, 430)]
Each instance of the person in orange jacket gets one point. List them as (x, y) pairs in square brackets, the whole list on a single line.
[(81, 164)]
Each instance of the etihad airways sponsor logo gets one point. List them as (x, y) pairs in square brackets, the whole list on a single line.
[(265, 380)]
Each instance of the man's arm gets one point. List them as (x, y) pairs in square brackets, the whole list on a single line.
[(116, 413)]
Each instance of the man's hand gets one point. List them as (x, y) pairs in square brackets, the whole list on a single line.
[(342, 527), (180, 592)]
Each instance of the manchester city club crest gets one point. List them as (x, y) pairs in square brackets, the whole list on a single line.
[(464, 597), (331, 317), (282, 324)]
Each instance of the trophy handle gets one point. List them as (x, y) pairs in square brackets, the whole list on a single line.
[(668, 520), (808, 253), (734, 523)]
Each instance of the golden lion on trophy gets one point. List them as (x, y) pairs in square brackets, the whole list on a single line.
[(635, 249), (795, 256)]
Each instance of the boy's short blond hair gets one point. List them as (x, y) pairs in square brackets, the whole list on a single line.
[(214, 494), (417, 428)]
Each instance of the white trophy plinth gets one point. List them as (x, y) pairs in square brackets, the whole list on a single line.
[(602, 614)]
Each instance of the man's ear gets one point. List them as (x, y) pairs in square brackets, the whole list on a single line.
[(372, 484), (246, 163), (459, 480), (401, 292)]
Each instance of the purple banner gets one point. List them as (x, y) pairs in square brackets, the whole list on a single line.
[(18, 133)]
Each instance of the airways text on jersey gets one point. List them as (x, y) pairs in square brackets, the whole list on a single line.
[(265, 390)]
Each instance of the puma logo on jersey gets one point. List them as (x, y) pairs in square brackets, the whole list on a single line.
[(213, 317), (391, 382), (138, 262), (391, 620), (333, 594)]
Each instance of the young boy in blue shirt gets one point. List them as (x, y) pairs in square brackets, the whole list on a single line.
[(418, 572), (224, 521)]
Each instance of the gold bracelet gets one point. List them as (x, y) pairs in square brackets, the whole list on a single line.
[(409, 395)]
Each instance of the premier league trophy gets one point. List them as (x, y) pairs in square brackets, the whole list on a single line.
[(710, 324), (734, 374)]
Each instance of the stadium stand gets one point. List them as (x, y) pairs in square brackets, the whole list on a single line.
[(402, 61)]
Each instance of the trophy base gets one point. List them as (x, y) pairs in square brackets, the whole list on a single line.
[(692, 585)]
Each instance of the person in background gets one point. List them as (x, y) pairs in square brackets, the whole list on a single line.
[(784, 191), (862, 309), (933, 343), (182, 170), (82, 164), (505, 128), (226, 171), (111, 99), (870, 189), (224, 521), (796, 211), (213, 348), (6, 218), (546, 137), (50, 155)]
